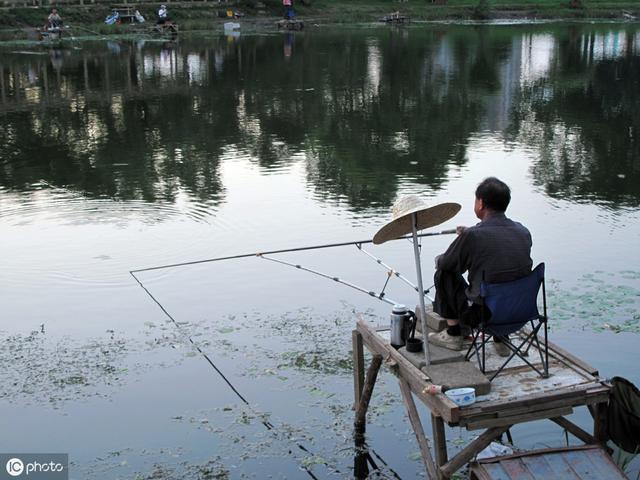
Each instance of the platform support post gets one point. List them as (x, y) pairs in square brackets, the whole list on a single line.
[(599, 412), (439, 439), (358, 366), (363, 404), (416, 424), (471, 450)]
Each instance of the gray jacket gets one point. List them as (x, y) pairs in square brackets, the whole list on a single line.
[(496, 250)]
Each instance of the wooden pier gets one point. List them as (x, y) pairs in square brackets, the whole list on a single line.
[(289, 24), (517, 395), (395, 18)]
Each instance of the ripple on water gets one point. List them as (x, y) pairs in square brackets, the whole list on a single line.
[(53, 255), (43, 202)]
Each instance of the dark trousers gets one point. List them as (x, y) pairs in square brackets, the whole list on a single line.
[(451, 300)]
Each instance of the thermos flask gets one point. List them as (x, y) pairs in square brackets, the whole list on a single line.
[(402, 324)]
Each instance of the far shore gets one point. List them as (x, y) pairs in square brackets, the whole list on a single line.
[(20, 23)]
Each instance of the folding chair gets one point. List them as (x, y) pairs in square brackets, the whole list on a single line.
[(513, 305)]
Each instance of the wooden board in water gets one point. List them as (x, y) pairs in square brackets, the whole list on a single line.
[(588, 462)]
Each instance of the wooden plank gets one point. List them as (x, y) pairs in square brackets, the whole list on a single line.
[(471, 450), (537, 400), (358, 366), (521, 418), (516, 469), (511, 408), (593, 464), (414, 418), (582, 466), (572, 359), (440, 440), (496, 472), (561, 469), (605, 465), (363, 406), (416, 379), (574, 429), (538, 467), (542, 406)]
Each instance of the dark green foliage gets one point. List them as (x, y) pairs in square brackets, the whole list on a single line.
[(482, 10)]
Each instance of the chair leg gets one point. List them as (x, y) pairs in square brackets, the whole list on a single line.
[(518, 351), (544, 356), (546, 350)]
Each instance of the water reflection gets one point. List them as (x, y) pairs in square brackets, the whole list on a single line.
[(151, 121)]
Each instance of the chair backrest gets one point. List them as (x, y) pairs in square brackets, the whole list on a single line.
[(512, 304)]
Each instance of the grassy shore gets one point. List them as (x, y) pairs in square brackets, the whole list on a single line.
[(20, 22)]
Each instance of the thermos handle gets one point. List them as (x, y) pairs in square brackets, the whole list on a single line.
[(414, 320)]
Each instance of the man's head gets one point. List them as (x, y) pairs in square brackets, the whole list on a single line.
[(492, 195), (54, 11)]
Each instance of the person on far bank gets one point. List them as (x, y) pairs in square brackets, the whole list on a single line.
[(495, 250), (163, 15), (54, 20), (288, 9)]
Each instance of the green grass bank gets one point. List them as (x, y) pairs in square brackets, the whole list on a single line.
[(19, 21)]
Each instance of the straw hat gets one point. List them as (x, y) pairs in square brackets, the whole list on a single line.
[(427, 217)]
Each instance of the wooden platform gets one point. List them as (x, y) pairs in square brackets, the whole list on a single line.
[(395, 18), (589, 462), (517, 395), (286, 24)]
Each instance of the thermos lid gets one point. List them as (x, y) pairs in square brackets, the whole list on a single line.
[(399, 309)]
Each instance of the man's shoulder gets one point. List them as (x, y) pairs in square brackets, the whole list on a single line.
[(496, 223)]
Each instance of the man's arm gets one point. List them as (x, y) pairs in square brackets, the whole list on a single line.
[(457, 258)]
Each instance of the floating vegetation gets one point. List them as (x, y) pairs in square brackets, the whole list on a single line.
[(55, 371), (598, 302)]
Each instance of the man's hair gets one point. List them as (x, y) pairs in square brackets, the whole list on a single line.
[(494, 193)]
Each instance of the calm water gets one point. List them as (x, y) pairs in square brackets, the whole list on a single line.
[(126, 154)]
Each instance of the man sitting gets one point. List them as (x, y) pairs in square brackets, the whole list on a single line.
[(496, 250)]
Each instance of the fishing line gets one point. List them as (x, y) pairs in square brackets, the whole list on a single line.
[(380, 296), (391, 271), (268, 425), (164, 310)]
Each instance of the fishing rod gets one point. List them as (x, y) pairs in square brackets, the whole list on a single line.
[(379, 296), (284, 250), (85, 29), (391, 271)]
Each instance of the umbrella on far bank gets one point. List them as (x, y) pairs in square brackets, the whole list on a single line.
[(411, 214)]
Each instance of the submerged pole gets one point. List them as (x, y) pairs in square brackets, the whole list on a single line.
[(423, 317)]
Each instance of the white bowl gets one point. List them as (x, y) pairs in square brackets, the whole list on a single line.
[(462, 396)]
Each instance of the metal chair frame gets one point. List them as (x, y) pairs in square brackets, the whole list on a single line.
[(484, 332)]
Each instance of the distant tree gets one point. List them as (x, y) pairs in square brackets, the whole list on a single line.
[(482, 10)]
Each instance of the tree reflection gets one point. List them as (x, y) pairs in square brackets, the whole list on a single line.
[(364, 111), (586, 120)]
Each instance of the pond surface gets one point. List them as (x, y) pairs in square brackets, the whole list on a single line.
[(126, 154)]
